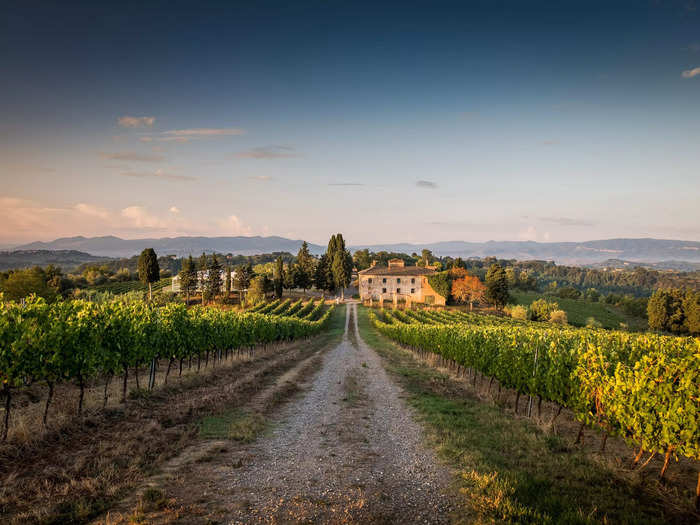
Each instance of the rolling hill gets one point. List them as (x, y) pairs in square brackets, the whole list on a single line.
[(579, 253)]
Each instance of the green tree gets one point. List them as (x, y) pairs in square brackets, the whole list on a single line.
[(342, 270), (497, 286), (244, 273), (214, 278), (511, 276), (304, 271), (362, 259), (257, 289), (426, 257), (227, 274), (278, 277), (290, 276), (188, 278), (323, 277), (149, 272), (691, 309), (22, 283)]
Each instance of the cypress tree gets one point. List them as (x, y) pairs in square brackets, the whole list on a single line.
[(149, 272), (279, 277), (304, 270), (214, 278), (186, 278), (201, 275), (228, 283), (497, 286)]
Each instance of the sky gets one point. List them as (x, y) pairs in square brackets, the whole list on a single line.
[(407, 122)]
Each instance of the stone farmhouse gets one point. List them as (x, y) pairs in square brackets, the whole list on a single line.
[(202, 275), (398, 283)]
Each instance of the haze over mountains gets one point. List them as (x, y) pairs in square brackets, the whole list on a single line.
[(589, 252)]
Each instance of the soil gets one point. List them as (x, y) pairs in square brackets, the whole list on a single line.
[(346, 451)]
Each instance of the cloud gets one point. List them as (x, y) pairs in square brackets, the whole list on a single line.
[(345, 184), (550, 142), (204, 132), (694, 47), (426, 184), (174, 209), (136, 122), (91, 210), (232, 225), (157, 174), (139, 217), (264, 178), (26, 220), (133, 156), (268, 152), (146, 139), (690, 73), (530, 234), (175, 139), (566, 221)]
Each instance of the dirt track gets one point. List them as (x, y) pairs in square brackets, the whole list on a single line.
[(347, 451)]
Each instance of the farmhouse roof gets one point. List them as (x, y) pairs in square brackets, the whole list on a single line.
[(397, 270)]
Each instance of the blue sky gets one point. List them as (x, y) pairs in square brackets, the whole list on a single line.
[(421, 122)]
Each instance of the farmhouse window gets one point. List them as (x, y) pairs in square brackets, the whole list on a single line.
[(413, 290), (384, 280), (413, 281), (398, 290), (398, 279), (383, 290), (369, 280)]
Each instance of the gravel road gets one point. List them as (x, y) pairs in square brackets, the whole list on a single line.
[(348, 451)]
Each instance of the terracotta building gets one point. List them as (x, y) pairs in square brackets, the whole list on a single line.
[(398, 282)]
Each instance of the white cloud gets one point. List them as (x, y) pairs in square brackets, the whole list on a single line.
[(263, 178), (146, 139), (530, 234), (174, 209), (132, 156), (690, 73), (139, 217), (157, 174), (175, 139), (91, 210), (26, 220), (232, 225), (136, 122), (268, 152), (427, 184), (204, 132)]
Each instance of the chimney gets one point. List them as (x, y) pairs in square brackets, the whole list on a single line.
[(374, 263)]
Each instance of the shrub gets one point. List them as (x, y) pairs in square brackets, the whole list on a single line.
[(558, 317), (568, 292), (591, 322), (541, 309), (518, 312)]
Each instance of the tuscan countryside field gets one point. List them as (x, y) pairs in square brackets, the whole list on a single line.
[(368, 263)]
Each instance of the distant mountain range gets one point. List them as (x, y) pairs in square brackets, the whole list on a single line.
[(66, 259), (579, 253), (111, 246)]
